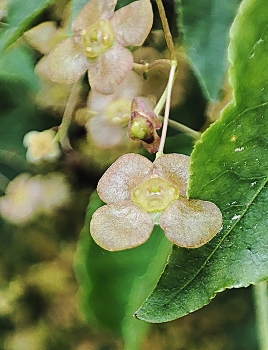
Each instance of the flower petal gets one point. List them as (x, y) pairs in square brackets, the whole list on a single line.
[(103, 132), (191, 223), (120, 226), (130, 87), (133, 23), (97, 102), (92, 12), (122, 176), (175, 168), (107, 71), (67, 62), (40, 36)]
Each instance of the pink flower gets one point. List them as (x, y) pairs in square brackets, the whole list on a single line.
[(140, 194), (100, 35)]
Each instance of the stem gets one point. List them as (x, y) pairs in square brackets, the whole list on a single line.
[(261, 305), (160, 104), (167, 32), (183, 128), (4, 181), (13, 160), (141, 68), (167, 107), (62, 134)]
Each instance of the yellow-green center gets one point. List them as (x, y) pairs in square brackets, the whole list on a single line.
[(155, 194), (98, 38), (118, 111), (139, 129)]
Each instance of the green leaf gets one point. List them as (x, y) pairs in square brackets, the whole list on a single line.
[(77, 6), (229, 168), (21, 14), (205, 26), (114, 284), (16, 65)]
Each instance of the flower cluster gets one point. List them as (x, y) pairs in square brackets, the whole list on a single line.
[(140, 194), (98, 44), (26, 197)]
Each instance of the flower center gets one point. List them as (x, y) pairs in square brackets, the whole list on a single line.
[(155, 194), (98, 38), (118, 111)]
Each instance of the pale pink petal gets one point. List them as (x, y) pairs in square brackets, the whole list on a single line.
[(42, 67), (107, 71), (175, 168), (98, 102), (103, 132), (126, 173), (130, 87), (95, 10), (67, 62), (120, 226), (191, 223), (133, 23), (40, 36)]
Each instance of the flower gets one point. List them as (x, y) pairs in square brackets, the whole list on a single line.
[(41, 146), (140, 193), (20, 204), (44, 37), (111, 113), (143, 125), (28, 196), (100, 35)]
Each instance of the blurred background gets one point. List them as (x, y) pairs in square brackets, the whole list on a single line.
[(39, 306)]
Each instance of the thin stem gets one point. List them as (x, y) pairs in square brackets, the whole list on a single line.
[(67, 116), (13, 160), (141, 68), (4, 181), (167, 107), (160, 104), (167, 32), (183, 128), (261, 306)]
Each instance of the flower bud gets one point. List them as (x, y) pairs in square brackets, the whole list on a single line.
[(41, 146)]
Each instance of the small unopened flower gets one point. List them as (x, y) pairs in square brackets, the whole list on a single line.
[(41, 146), (98, 44), (143, 125), (140, 194)]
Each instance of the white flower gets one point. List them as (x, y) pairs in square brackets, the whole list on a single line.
[(21, 202), (26, 197), (55, 192), (41, 146)]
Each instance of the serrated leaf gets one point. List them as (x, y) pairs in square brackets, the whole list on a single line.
[(229, 167), (205, 26), (21, 14), (114, 284)]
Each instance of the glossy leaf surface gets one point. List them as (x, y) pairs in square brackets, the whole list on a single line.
[(21, 14), (113, 284), (229, 168)]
